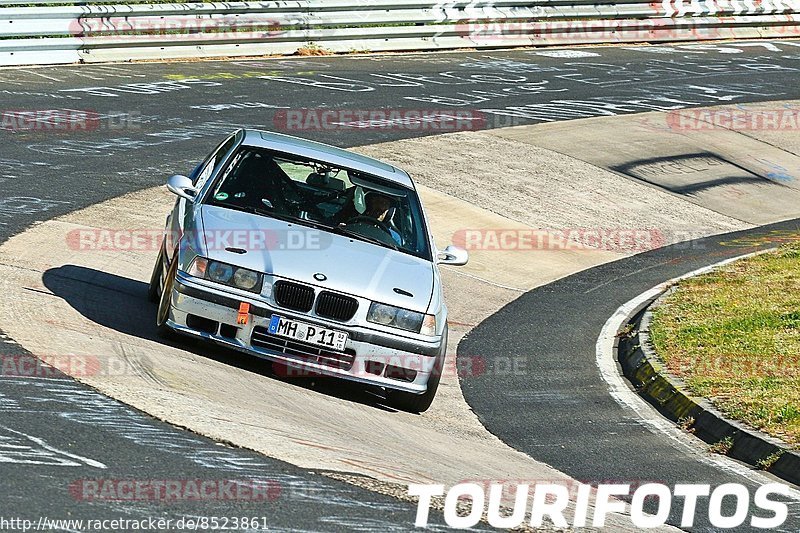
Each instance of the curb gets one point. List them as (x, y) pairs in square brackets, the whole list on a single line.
[(694, 414)]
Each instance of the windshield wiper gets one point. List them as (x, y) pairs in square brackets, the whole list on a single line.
[(280, 216), (343, 230), (292, 218)]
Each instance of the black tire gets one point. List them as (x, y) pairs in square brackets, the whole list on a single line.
[(165, 300), (419, 403), (154, 289)]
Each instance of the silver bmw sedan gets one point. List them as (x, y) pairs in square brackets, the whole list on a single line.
[(311, 256)]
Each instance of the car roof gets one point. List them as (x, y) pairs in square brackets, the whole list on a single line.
[(326, 153)]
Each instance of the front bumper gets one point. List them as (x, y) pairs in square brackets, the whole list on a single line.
[(373, 358)]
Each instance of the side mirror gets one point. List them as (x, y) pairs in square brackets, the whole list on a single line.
[(182, 186), (453, 256)]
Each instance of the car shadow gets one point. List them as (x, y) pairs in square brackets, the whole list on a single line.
[(121, 304)]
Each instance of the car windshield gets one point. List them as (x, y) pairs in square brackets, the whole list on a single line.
[(318, 194)]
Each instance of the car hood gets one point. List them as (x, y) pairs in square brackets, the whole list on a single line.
[(299, 253)]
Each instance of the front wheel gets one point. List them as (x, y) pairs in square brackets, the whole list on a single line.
[(419, 403), (165, 301), (154, 289)]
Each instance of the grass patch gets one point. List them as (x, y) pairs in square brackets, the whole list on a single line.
[(722, 447), (733, 336), (313, 49), (767, 462)]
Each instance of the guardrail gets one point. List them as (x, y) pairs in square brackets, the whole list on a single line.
[(71, 31)]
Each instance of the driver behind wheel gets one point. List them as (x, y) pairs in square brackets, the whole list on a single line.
[(257, 182), (378, 206)]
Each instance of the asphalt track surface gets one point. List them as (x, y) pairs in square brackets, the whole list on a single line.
[(558, 409), (158, 119), (51, 481)]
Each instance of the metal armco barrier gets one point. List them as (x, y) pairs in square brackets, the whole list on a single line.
[(71, 31)]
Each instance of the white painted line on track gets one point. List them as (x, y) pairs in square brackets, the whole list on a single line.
[(648, 416), (484, 280), (43, 444), (41, 75)]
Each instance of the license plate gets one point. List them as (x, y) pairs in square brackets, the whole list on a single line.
[(309, 333)]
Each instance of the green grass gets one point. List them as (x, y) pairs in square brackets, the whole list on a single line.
[(733, 336)]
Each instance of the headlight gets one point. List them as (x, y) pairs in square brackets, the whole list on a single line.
[(396, 317), (219, 272), (230, 275), (381, 314), (408, 320), (245, 279)]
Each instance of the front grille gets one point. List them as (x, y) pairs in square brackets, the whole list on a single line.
[(336, 306), (294, 296), (262, 338)]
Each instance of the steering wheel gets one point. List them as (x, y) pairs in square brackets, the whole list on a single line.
[(364, 219), (288, 195)]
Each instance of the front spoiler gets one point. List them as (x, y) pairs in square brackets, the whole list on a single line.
[(189, 298)]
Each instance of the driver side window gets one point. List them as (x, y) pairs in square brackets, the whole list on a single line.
[(212, 162)]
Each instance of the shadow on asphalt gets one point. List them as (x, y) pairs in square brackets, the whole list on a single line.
[(121, 304)]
